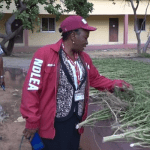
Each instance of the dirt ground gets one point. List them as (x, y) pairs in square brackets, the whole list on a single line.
[(10, 131)]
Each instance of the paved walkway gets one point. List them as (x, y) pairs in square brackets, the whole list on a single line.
[(18, 61), (21, 60)]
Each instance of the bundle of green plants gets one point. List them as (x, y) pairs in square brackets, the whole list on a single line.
[(110, 106), (133, 125), (129, 110), (105, 102)]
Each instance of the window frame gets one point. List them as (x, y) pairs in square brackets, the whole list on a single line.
[(48, 25), (144, 23)]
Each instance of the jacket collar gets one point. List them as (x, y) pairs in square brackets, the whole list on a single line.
[(56, 46)]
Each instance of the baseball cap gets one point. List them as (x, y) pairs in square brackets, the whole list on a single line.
[(75, 22)]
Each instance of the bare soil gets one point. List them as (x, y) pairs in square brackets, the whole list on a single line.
[(10, 131)]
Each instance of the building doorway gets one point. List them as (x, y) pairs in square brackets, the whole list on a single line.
[(113, 29)]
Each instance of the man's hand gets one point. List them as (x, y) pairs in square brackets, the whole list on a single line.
[(29, 133), (122, 85), (127, 86)]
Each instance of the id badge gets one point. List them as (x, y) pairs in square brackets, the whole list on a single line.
[(79, 96)]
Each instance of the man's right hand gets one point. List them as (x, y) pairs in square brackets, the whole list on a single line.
[(29, 133)]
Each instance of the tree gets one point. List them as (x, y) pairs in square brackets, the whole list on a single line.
[(135, 4), (28, 10)]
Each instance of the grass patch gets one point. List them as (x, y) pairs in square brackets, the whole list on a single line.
[(145, 55), (134, 72)]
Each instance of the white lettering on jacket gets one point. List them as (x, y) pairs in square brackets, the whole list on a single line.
[(50, 65), (36, 70), (88, 66)]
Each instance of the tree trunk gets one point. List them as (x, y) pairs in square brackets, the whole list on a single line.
[(10, 46), (139, 43), (137, 31), (11, 39), (146, 45), (10, 36)]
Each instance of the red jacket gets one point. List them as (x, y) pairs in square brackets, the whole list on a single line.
[(38, 105)]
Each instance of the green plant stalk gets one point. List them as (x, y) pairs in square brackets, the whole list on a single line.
[(146, 135), (87, 121), (131, 123), (123, 135), (142, 144), (133, 116), (141, 138)]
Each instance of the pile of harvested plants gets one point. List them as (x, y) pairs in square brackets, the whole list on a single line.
[(130, 110)]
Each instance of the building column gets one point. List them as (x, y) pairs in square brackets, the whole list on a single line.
[(26, 41), (126, 18)]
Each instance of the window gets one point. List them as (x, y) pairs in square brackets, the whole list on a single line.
[(141, 24), (48, 24)]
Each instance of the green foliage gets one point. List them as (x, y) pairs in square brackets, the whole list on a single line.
[(1, 7), (81, 7), (1, 15), (30, 18), (42, 2), (8, 2), (56, 10)]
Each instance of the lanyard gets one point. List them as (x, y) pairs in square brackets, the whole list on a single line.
[(74, 63), (67, 72)]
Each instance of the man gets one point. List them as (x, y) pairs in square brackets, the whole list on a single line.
[(56, 89)]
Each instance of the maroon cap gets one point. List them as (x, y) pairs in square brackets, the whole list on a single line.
[(75, 22)]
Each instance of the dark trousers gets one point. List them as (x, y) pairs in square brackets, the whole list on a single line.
[(66, 138)]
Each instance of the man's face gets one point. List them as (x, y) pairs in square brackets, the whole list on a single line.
[(80, 40)]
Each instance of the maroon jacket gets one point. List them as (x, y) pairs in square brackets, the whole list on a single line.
[(38, 105)]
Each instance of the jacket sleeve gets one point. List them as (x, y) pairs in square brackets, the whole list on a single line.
[(31, 91), (102, 83)]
